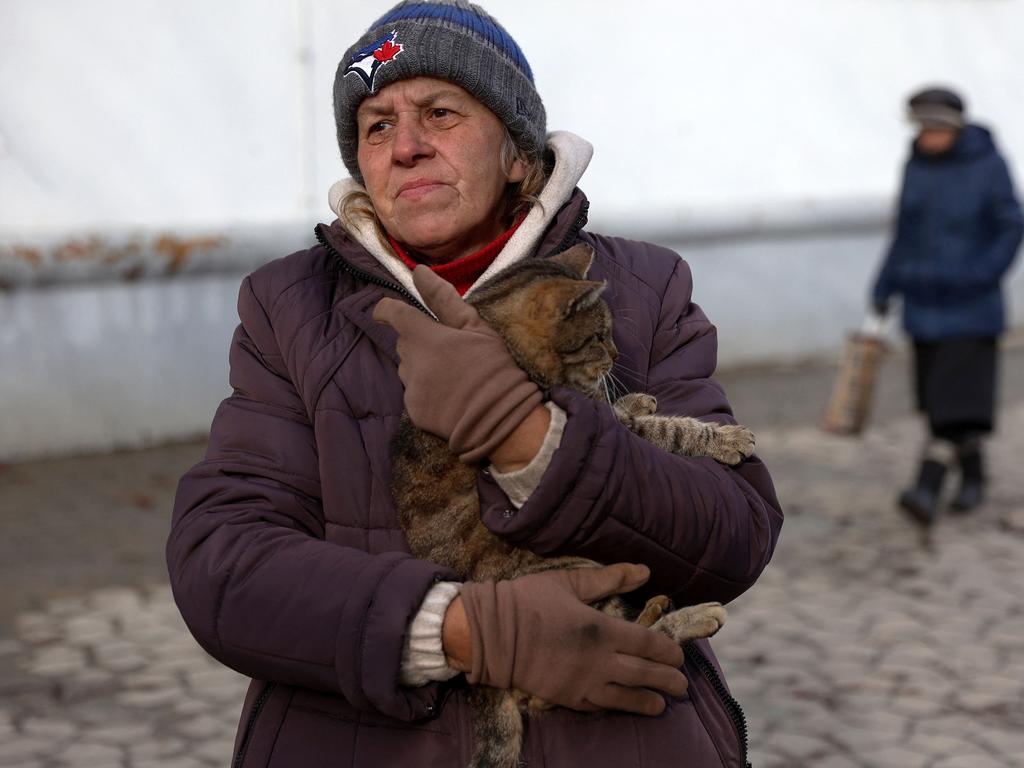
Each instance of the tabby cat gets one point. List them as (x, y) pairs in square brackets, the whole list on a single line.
[(558, 330)]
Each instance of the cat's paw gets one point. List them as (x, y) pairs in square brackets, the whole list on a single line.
[(692, 622), (731, 444), (636, 404), (656, 607)]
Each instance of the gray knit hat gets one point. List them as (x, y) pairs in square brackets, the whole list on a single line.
[(451, 40), (937, 108)]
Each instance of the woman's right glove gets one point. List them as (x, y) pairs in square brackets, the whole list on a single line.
[(538, 634), (460, 380)]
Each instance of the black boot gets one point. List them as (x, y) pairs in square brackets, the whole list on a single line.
[(922, 501), (972, 481)]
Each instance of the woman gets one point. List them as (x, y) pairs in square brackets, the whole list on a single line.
[(958, 231), (285, 554)]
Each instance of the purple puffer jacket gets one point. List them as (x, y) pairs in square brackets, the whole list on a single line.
[(288, 565)]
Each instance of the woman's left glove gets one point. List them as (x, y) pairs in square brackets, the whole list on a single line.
[(461, 383)]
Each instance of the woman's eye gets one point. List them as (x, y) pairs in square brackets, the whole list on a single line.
[(442, 116)]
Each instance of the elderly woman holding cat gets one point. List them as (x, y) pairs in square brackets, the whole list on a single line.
[(286, 554)]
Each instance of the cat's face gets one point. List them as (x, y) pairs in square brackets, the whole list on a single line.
[(554, 321), (583, 345)]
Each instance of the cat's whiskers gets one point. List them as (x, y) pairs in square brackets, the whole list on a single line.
[(626, 369), (618, 386)]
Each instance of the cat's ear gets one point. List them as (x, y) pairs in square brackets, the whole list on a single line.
[(579, 295), (578, 258)]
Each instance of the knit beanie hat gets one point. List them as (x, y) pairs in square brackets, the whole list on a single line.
[(451, 40), (937, 108)]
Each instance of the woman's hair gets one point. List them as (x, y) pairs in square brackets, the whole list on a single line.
[(519, 197)]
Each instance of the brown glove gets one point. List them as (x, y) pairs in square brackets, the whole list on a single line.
[(537, 634), (460, 381)]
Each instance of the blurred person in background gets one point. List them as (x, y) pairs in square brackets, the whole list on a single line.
[(285, 554), (958, 229)]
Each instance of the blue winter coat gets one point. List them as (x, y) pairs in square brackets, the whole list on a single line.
[(958, 230)]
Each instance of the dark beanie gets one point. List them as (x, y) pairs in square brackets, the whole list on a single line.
[(937, 107), (451, 40)]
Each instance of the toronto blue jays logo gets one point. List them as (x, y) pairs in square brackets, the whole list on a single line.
[(366, 61)]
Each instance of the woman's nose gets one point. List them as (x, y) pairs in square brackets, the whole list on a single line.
[(411, 143)]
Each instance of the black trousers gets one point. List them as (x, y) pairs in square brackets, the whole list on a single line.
[(956, 386)]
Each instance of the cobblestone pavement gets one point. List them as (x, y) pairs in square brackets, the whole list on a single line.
[(862, 644)]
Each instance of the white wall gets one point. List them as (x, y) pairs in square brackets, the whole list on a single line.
[(186, 113), (746, 116)]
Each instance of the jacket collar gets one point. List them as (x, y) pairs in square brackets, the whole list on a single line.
[(549, 226)]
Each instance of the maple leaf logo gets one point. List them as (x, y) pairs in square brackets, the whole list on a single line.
[(368, 60), (387, 52)]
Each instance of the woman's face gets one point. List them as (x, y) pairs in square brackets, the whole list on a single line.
[(430, 155), (935, 141)]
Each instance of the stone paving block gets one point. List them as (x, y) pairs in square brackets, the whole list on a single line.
[(6, 723), (88, 629), (798, 747), (1008, 632), (927, 683), (89, 755), (764, 759), (176, 762), (894, 757), (976, 760), (48, 728), (217, 684), (201, 728), (147, 699), (127, 662), (999, 741), (218, 750), (146, 678), (190, 707), (981, 700), (115, 600), (64, 606), (158, 748), (869, 731), (942, 744), (909, 654), (57, 660), (121, 734), (22, 748), (174, 665), (914, 707), (90, 683), (836, 761), (9, 647)]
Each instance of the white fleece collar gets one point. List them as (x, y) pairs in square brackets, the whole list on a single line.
[(572, 156)]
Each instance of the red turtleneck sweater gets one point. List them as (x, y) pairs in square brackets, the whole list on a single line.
[(464, 271)]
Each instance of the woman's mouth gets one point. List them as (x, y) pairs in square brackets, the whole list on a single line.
[(419, 188)]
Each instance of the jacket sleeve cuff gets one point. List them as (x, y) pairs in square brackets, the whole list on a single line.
[(423, 659), (384, 600), (560, 509), (520, 484)]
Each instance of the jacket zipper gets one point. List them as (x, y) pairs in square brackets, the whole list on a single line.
[(254, 713), (732, 707), (366, 276), (574, 230)]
